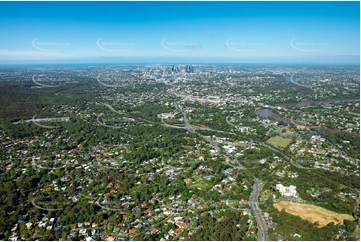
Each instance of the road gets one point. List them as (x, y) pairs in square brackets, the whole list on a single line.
[(192, 128), (286, 157), (47, 119), (187, 125), (108, 126), (33, 79), (111, 108), (262, 228), (171, 126), (240, 127)]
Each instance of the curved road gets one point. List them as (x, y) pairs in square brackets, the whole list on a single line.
[(262, 229)]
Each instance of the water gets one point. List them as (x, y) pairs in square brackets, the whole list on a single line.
[(315, 103), (291, 80), (264, 112), (267, 112)]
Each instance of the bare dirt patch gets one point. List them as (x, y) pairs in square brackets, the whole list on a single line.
[(312, 213)]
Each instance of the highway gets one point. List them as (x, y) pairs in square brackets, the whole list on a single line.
[(111, 108), (286, 157), (192, 128), (106, 85), (108, 126), (33, 79), (47, 119), (262, 228)]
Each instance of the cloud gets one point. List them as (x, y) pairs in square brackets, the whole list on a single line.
[(32, 55)]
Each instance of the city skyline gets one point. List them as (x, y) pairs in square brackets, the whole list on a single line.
[(178, 32)]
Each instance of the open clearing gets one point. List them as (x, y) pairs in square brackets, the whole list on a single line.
[(312, 213), (199, 183), (279, 141)]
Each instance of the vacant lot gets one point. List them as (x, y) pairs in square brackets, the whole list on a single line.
[(312, 213), (279, 141)]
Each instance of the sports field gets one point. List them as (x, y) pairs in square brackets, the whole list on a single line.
[(278, 141)]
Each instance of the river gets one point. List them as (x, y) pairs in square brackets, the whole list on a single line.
[(315, 103), (267, 112)]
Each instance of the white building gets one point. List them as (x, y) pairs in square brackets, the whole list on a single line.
[(28, 225), (229, 148), (286, 191)]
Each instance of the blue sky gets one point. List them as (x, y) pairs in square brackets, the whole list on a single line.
[(240, 32)]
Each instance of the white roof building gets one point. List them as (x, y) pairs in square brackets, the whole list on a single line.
[(289, 191)]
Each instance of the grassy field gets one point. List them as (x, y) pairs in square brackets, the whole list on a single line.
[(265, 194), (279, 141), (288, 133), (312, 213), (199, 183)]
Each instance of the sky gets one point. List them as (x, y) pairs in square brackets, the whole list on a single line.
[(199, 32)]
